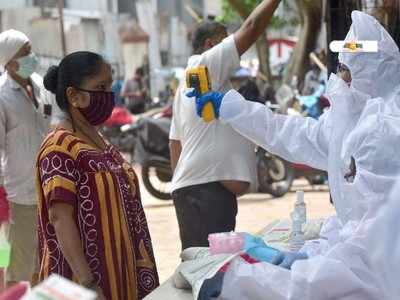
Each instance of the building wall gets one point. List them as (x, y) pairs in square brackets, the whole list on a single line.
[(7, 4), (127, 6), (133, 54), (99, 5), (19, 19)]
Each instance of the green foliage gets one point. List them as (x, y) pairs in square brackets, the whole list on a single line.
[(277, 22)]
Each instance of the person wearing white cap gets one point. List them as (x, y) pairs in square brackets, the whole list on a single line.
[(25, 114)]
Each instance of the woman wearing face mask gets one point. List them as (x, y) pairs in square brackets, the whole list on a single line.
[(92, 227)]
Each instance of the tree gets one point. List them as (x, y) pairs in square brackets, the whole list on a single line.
[(386, 11), (310, 24), (243, 9), (233, 9)]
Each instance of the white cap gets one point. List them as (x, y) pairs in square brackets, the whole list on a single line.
[(10, 43)]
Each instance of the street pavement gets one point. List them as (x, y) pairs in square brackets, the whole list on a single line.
[(255, 212)]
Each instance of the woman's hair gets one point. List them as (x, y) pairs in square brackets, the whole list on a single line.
[(72, 71)]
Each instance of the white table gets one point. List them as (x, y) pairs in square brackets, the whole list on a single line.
[(275, 234), (167, 291)]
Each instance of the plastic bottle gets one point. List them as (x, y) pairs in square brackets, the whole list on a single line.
[(299, 219)]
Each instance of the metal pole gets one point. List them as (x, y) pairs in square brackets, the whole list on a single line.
[(42, 8), (62, 34)]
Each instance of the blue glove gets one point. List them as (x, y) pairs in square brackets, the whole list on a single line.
[(257, 249), (201, 100), (286, 259)]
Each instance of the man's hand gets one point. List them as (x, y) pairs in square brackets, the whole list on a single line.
[(255, 24), (201, 100)]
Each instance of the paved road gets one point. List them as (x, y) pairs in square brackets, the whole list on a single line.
[(255, 212)]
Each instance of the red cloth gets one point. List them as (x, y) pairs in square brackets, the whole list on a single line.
[(4, 206), (120, 116)]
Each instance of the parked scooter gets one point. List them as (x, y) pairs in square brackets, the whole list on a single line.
[(151, 151), (276, 176), (112, 129)]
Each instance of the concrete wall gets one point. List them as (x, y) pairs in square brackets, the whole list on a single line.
[(213, 7), (179, 46), (99, 5), (19, 19), (133, 57), (7, 4)]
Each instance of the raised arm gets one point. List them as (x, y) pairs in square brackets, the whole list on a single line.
[(295, 138), (254, 25)]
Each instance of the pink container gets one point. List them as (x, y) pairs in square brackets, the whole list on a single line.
[(225, 242)]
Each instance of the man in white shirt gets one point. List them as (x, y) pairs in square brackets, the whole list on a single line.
[(25, 114), (212, 164)]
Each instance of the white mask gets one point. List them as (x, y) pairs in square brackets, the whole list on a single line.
[(27, 65)]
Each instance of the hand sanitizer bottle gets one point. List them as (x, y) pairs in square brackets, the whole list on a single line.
[(299, 219)]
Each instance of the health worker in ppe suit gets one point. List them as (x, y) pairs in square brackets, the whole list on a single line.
[(362, 265), (319, 143)]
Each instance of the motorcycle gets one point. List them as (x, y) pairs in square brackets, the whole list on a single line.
[(276, 176), (151, 151), (111, 129)]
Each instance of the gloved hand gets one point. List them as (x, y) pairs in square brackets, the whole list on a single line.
[(286, 259), (201, 100), (257, 249)]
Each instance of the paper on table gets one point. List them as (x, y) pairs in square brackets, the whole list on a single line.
[(58, 288)]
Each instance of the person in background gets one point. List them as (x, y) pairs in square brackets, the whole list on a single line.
[(135, 93), (268, 93), (92, 226), (246, 85), (146, 72), (315, 77), (116, 89), (25, 115), (312, 79), (212, 163)]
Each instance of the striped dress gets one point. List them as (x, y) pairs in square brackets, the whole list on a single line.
[(104, 191)]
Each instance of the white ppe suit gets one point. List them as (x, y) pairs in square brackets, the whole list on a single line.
[(361, 266), (319, 143)]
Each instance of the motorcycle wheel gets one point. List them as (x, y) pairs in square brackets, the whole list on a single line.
[(157, 179), (275, 175)]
